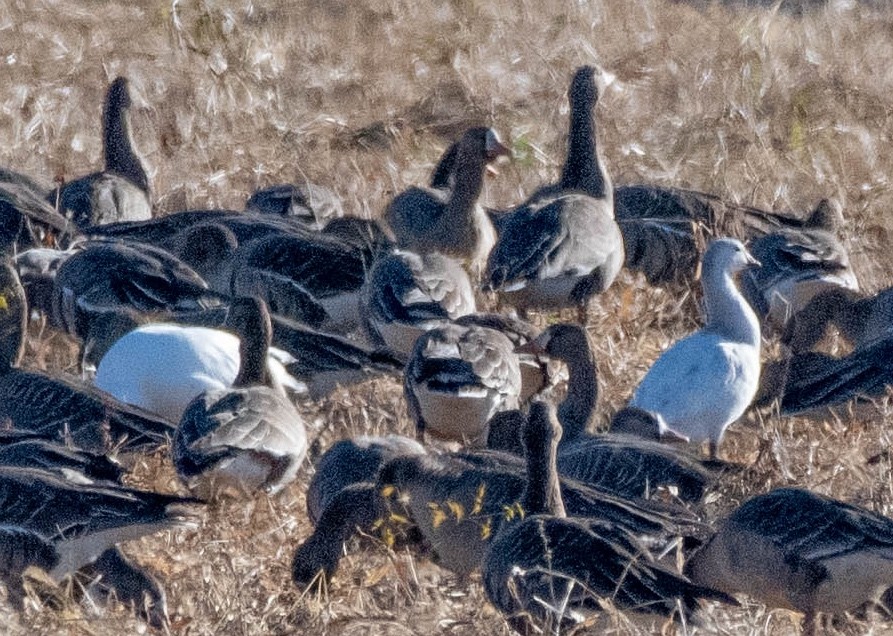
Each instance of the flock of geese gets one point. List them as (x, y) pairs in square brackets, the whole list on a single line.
[(198, 330)]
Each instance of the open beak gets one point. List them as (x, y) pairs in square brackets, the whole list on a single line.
[(751, 260), (495, 148)]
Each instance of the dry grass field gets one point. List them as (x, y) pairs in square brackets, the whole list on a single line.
[(766, 105)]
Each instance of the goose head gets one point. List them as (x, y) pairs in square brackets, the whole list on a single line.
[(493, 146), (827, 215), (565, 341), (728, 255), (118, 97), (584, 87)]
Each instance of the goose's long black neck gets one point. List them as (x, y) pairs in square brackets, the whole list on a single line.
[(120, 157), (13, 318), (542, 494), (255, 334), (469, 181), (576, 410), (582, 170), (444, 169)]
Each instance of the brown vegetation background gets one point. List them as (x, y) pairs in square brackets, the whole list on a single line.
[(764, 105)]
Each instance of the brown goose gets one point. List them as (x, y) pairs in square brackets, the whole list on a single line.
[(456, 502), (103, 276), (61, 526), (112, 572), (246, 437), (563, 246), (407, 294), (665, 229), (58, 406), (311, 277), (548, 569), (795, 549), (797, 264), (312, 204), (121, 191), (457, 378), (449, 220)]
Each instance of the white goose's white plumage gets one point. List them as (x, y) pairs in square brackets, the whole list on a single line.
[(162, 367), (707, 380), (795, 549)]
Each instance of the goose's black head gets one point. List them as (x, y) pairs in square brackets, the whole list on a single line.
[(482, 141), (584, 86), (118, 95)]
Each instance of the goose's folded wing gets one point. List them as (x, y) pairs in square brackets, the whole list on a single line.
[(528, 242), (815, 380), (62, 408), (810, 528)]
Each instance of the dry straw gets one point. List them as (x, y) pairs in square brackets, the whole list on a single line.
[(759, 104)]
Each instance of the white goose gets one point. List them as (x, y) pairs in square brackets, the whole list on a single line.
[(162, 367), (707, 380)]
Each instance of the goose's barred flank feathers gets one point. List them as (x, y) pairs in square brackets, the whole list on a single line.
[(406, 294), (796, 549), (457, 378)]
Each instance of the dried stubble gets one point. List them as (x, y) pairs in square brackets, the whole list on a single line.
[(760, 105)]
